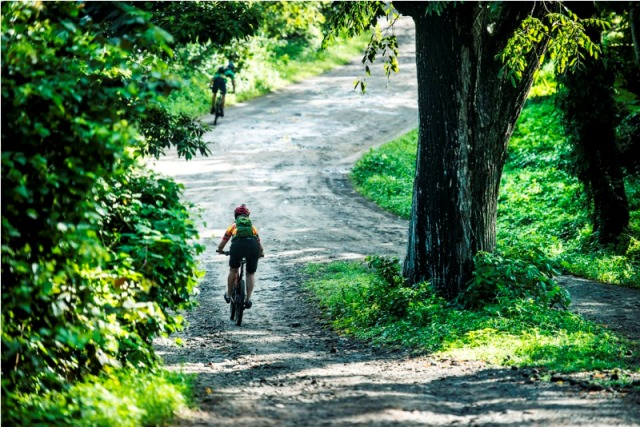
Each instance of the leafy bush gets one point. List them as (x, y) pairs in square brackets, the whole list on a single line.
[(152, 239), (501, 280), (125, 398), (57, 141), (389, 297), (71, 99)]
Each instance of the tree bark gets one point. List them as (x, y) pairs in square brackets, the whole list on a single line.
[(467, 113), (634, 27)]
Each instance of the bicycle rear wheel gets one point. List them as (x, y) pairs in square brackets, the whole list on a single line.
[(240, 303), (218, 111)]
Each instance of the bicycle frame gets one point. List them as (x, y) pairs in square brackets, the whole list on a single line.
[(239, 288)]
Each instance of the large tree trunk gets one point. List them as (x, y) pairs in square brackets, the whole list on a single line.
[(467, 114), (634, 27), (589, 107)]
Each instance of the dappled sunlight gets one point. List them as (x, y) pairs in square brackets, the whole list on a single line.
[(210, 188), (329, 257), (319, 255), (211, 234), (296, 252), (180, 168)]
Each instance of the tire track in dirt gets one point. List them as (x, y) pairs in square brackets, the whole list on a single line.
[(286, 156)]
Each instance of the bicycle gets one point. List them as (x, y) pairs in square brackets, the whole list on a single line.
[(238, 293), (218, 109)]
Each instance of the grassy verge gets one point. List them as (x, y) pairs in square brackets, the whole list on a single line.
[(127, 398), (540, 204), (541, 211), (360, 302)]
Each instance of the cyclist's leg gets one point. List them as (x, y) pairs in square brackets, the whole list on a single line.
[(235, 257), (218, 86), (214, 94), (223, 94), (253, 253), (222, 108), (251, 277), (231, 278)]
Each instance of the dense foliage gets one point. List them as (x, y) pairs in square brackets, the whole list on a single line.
[(97, 253)]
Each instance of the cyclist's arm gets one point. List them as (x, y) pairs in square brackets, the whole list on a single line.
[(232, 76), (255, 233), (227, 236), (257, 236)]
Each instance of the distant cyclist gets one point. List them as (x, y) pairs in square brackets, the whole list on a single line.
[(219, 84), (245, 243)]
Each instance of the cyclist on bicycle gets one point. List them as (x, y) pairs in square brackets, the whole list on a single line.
[(244, 244), (219, 84)]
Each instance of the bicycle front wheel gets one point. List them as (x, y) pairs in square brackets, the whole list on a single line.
[(235, 296)]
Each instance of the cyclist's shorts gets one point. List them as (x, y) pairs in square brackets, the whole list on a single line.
[(244, 247), (219, 84)]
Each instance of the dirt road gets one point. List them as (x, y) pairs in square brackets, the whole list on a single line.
[(286, 156)]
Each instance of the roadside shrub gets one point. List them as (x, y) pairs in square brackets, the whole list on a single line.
[(152, 238), (58, 140), (389, 297), (77, 300), (124, 398), (500, 280)]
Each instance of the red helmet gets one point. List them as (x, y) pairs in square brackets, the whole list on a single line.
[(241, 210)]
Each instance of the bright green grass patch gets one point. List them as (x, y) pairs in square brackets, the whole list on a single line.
[(385, 174), (361, 304), (541, 205), (126, 398)]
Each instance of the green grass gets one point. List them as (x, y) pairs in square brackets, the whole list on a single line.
[(295, 63), (540, 203), (385, 175), (358, 302), (126, 398)]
